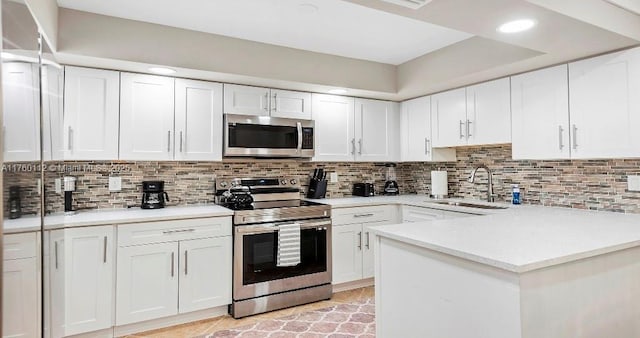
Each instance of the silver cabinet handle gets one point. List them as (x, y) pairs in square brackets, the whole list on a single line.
[(173, 258), (353, 146), (575, 137), (360, 147), (469, 128), (181, 141), (560, 131), (360, 240), (104, 253), (55, 245), (299, 127), (168, 232), (367, 244), (186, 260), (275, 102), (362, 215), (69, 139), (460, 127), (426, 146), (266, 101), (169, 141)]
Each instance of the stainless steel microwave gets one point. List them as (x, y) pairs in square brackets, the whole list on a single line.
[(265, 136)]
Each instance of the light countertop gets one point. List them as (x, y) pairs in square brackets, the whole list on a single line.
[(114, 216)]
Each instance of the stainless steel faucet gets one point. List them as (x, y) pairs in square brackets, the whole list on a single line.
[(489, 181)]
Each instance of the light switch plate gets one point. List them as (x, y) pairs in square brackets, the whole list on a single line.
[(58, 185), (115, 183), (633, 183), (333, 177)]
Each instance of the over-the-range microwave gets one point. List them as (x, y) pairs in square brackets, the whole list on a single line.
[(265, 136)]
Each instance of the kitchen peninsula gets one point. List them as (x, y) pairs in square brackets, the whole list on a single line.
[(526, 272)]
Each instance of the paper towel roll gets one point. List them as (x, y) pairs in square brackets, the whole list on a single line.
[(439, 184)]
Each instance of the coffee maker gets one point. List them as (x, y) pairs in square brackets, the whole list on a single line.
[(153, 195), (390, 184), (15, 208)]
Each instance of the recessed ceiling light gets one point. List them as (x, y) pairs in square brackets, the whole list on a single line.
[(516, 26), (162, 70), (337, 91)]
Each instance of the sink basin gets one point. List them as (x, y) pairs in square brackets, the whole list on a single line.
[(468, 204)]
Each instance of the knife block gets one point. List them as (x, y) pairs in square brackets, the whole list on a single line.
[(317, 188)]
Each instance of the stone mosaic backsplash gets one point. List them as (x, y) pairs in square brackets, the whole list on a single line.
[(585, 184)]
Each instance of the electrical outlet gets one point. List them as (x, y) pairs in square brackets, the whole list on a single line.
[(633, 183), (333, 177), (58, 185), (115, 183)]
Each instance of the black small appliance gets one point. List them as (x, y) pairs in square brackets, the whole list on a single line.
[(390, 184), (363, 189), (153, 195), (317, 184), (15, 207), (69, 188)]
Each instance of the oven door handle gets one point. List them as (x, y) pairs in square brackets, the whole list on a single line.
[(275, 227)]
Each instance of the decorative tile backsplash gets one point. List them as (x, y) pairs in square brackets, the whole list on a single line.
[(585, 184)]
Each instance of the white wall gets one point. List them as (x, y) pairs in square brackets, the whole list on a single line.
[(45, 13)]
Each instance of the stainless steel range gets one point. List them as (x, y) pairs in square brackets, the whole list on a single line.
[(281, 245)]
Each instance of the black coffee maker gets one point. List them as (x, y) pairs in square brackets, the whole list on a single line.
[(15, 207), (153, 195)]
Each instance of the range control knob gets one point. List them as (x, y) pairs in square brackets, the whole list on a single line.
[(234, 184), (223, 184), (293, 181), (283, 182)]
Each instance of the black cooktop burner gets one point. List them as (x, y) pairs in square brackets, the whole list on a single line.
[(272, 205)]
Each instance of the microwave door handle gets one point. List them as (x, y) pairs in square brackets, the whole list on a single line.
[(299, 126)]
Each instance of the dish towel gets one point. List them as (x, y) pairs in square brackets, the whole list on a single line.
[(289, 245)]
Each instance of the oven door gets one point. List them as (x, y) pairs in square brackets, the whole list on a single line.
[(267, 136), (255, 253)]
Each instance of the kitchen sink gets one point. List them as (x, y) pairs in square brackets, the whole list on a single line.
[(468, 204)]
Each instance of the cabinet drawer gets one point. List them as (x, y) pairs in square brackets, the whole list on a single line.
[(361, 215), (20, 246), (412, 214), (169, 231)]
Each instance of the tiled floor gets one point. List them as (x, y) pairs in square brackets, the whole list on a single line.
[(208, 326)]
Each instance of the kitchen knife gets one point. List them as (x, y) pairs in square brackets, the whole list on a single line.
[(320, 173)]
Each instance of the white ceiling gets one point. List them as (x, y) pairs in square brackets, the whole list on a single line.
[(327, 26)]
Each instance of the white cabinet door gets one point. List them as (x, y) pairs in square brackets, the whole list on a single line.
[(346, 245), (21, 110), (91, 113), (290, 104), (205, 273), (416, 214), (52, 105), (540, 114), (20, 306), (415, 129), (246, 100), (605, 106), (147, 283), (449, 118), (146, 117), (489, 113), (368, 242), (57, 312), (334, 127), (198, 120), (377, 126)]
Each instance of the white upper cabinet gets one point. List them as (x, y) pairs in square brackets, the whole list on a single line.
[(334, 127), (540, 114), (605, 106), (146, 117), (415, 133), (259, 101), (21, 110), (489, 113), (198, 120), (52, 104), (91, 113), (290, 104), (377, 126), (449, 117), (246, 100), (476, 115)]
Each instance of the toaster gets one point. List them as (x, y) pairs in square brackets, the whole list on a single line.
[(363, 189)]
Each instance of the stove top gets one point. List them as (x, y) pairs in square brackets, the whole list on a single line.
[(272, 205)]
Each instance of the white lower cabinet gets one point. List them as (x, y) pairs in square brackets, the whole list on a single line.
[(81, 265), (172, 267), (352, 241), (20, 289)]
